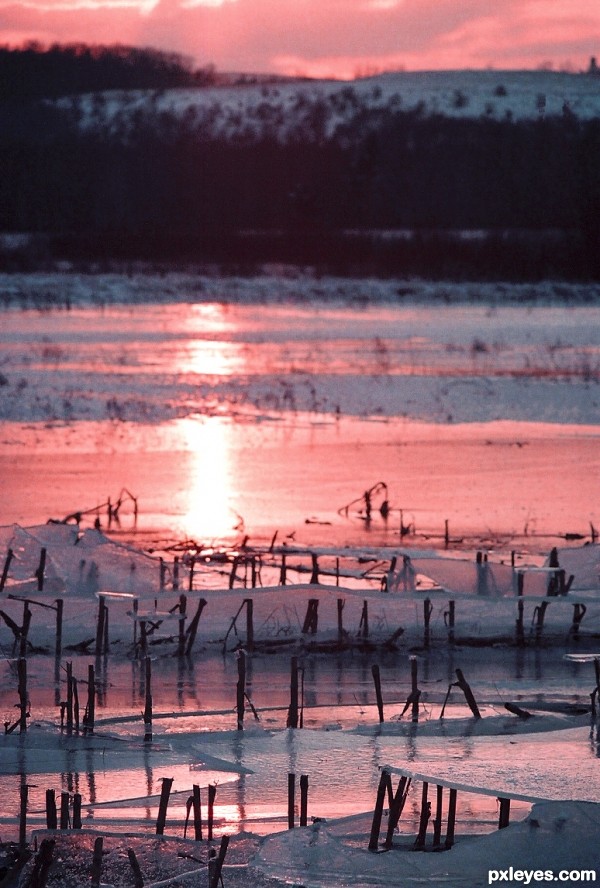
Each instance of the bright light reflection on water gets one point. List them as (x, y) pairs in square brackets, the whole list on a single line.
[(210, 480), (155, 411)]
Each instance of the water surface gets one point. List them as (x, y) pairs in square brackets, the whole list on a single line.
[(229, 420)]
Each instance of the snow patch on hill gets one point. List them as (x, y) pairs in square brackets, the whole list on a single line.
[(297, 106)]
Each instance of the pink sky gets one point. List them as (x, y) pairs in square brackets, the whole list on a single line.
[(325, 37)]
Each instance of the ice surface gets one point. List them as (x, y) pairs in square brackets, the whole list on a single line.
[(481, 410), (553, 839)]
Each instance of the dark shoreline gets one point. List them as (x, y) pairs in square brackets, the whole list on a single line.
[(512, 256)]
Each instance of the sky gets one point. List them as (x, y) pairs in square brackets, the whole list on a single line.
[(342, 38)]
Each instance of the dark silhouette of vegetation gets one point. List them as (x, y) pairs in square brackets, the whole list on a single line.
[(97, 184), (37, 71)]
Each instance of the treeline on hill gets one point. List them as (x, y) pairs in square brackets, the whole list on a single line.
[(69, 69), (159, 187)]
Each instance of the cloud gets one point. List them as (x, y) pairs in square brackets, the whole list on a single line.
[(323, 36), (526, 38), (59, 6)]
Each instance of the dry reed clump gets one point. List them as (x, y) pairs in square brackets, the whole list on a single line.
[(72, 860), (161, 859)]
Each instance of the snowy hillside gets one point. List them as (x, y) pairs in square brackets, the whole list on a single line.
[(258, 108), (163, 173)]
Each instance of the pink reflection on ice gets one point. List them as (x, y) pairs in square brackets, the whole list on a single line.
[(209, 484)]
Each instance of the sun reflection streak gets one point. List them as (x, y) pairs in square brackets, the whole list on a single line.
[(211, 482), (211, 358), (210, 491)]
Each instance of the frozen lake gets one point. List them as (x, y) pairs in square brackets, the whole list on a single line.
[(341, 747), (233, 409), (278, 405)]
